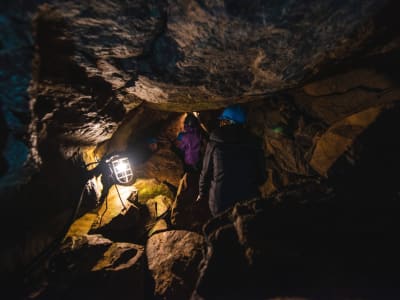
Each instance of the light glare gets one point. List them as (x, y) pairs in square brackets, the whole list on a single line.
[(122, 170)]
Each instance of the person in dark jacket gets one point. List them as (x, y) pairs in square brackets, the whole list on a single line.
[(233, 164)]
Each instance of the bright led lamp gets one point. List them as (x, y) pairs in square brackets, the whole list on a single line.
[(121, 169)]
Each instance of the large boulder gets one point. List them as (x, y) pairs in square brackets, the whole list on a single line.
[(164, 165), (341, 95), (91, 266), (186, 212), (173, 258), (339, 138), (128, 226), (297, 243)]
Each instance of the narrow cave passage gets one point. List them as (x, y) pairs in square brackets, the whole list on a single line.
[(156, 215), (157, 167)]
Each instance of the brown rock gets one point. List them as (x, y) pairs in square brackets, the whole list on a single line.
[(339, 137), (342, 83), (287, 154), (173, 258), (92, 266), (186, 212), (129, 226), (342, 95), (196, 56), (164, 165)]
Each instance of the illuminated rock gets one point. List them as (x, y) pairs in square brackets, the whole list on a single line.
[(173, 258)]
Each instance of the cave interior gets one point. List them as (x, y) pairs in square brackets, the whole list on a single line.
[(84, 81)]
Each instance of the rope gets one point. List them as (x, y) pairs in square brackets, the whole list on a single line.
[(120, 199), (104, 212)]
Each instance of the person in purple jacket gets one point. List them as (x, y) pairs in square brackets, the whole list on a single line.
[(189, 142)]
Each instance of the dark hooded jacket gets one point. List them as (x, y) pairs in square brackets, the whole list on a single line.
[(233, 168)]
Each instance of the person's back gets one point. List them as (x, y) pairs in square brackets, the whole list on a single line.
[(236, 161), (233, 167), (189, 142), (190, 145)]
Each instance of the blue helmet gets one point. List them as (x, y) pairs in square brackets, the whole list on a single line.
[(234, 114)]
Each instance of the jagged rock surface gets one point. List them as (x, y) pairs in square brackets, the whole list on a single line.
[(341, 95), (186, 212), (173, 258), (340, 138), (16, 52), (297, 244), (193, 54), (94, 267)]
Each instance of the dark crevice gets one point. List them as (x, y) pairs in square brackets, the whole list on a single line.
[(359, 87)]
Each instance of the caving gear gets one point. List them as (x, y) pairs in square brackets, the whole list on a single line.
[(235, 114)]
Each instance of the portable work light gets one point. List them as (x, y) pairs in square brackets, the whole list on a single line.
[(121, 169)]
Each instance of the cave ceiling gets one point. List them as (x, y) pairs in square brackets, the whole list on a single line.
[(91, 63), (192, 55)]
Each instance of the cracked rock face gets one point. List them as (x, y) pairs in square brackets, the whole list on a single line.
[(196, 54), (93, 266), (94, 61), (173, 259)]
